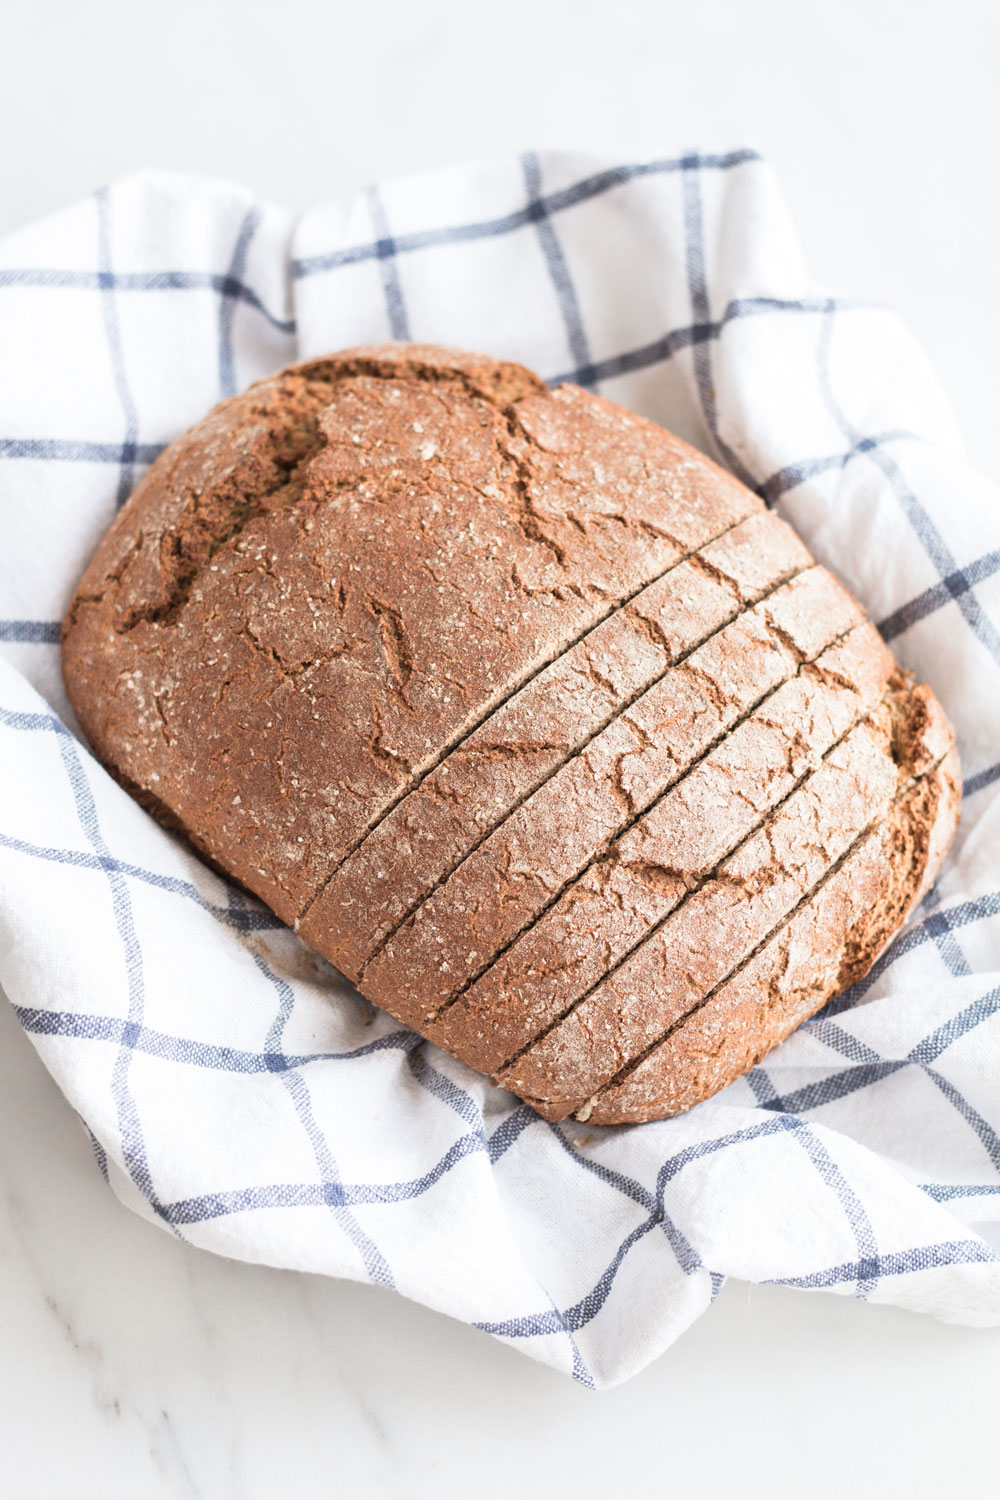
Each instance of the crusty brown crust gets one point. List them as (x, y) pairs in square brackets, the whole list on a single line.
[(530, 718)]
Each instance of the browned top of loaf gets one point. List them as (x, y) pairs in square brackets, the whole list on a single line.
[(530, 718), (336, 575)]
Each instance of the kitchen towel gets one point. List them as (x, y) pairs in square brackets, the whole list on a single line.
[(238, 1092)]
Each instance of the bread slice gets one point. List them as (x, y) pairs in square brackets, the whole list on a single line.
[(531, 719)]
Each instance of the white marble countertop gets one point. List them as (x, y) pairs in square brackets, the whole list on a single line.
[(133, 1366)]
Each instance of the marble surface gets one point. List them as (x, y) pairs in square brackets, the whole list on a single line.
[(133, 1366)]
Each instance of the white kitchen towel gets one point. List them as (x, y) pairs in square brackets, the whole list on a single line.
[(241, 1095)]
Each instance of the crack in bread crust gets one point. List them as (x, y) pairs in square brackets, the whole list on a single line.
[(218, 514)]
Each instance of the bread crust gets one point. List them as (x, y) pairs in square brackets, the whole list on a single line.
[(530, 719)]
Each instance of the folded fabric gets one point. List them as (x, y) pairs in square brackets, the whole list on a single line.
[(237, 1091)]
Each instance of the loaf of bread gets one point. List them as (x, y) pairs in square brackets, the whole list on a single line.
[(533, 721)]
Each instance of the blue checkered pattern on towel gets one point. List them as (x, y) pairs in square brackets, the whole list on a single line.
[(237, 1092)]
